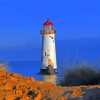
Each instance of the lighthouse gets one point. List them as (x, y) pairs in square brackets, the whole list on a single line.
[(48, 56)]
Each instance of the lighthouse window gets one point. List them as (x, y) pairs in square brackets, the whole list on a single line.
[(48, 28)]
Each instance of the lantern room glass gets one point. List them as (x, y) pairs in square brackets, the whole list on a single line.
[(48, 28)]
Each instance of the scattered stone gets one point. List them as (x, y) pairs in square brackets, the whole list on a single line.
[(14, 88)]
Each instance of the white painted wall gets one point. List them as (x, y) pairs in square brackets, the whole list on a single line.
[(48, 50)]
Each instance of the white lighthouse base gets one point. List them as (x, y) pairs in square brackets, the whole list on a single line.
[(48, 71)]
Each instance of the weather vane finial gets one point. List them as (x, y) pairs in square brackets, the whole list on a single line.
[(48, 19)]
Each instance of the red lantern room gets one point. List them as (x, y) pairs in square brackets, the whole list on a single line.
[(48, 28), (48, 25)]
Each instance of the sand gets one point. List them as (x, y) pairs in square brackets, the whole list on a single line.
[(17, 87)]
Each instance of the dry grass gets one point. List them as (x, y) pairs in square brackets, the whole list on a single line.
[(3, 67), (81, 74)]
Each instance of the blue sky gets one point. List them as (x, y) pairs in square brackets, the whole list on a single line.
[(21, 21)]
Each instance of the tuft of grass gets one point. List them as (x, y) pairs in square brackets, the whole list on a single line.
[(81, 74), (3, 67)]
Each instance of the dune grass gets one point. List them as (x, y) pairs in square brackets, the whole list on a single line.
[(3, 67), (81, 74)]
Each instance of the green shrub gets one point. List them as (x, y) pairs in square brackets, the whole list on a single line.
[(81, 74)]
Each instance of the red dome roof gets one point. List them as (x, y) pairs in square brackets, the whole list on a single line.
[(48, 22)]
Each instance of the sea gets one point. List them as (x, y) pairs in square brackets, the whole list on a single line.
[(69, 52), (31, 69)]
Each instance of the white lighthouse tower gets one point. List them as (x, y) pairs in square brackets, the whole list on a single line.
[(48, 47)]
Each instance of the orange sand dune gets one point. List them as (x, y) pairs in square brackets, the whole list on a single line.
[(17, 87)]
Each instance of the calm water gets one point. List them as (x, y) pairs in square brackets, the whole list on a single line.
[(30, 68)]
